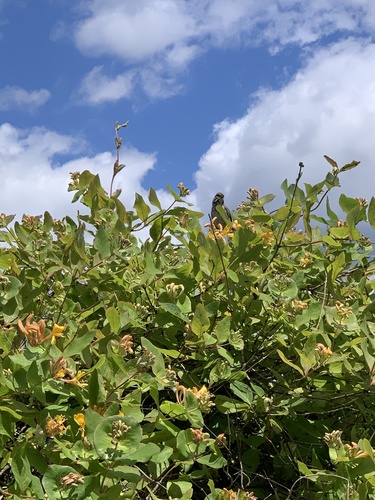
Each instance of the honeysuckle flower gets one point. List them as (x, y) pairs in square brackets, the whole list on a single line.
[(55, 425), (354, 451), (268, 237), (323, 350), (71, 479), (221, 440), (76, 380), (333, 439), (57, 368), (57, 331), (127, 343), (33, 331), (79, 418), (199, 436), (119, 430), (203, 396), (298, 305), (306, 260), (342, 309)]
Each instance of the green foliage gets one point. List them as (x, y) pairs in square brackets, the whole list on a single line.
[(197, 364)]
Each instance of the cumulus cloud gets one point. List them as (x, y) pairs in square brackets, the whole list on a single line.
[(163, 38), (16, 97), (97, 87), (33, 180), (327, 108)]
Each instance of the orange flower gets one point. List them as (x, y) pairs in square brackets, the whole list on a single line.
[(57, 368), (55, 426), (71, 479), (34, 332), (323, 350), (127, 343)]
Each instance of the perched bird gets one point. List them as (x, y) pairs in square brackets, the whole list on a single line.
[(219, 200)]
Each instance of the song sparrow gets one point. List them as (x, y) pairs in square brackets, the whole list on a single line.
[(219, 200)]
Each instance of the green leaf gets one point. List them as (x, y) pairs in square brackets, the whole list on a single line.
[(176, 196), (141, 207), (95, 389), (243, 391), (79, 343), (158, 362), (113, 318), (200, 323), (371, 212), (222, 330), (283, 287), (192, 410), (213, 461), (144, 453), (349, 166), (347, 204), (330, 212), (117, 433), (332, 163), (153, 198), (228, 405), (10, 289), (366, 445), (286, 360), (337, 266), (180, 489), (52, 481), (101, 243), (22, 472)]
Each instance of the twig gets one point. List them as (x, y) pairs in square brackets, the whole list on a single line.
[(278, 244), (220, 253)]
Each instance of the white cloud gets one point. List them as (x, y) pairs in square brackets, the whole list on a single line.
[(161, 38), (34, 181), (17, 97), (328, 108), (98, 88), (133, 30)]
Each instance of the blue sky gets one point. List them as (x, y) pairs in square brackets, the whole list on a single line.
[(222, 95)]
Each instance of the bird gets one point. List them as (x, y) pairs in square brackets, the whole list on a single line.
[(217, 218)]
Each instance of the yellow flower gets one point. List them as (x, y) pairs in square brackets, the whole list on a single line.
[(79, 418), (203, 396), (75, 380), (298, 305), (268, 238), (55, 425), (57, 331), (342, 310), (306, 260)]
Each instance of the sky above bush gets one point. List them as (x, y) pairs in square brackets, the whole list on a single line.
[(220, 95)]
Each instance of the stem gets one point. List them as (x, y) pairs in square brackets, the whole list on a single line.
[(278, 244), (220, 253)]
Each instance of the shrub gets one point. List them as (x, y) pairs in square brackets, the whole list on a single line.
[(227, 364)]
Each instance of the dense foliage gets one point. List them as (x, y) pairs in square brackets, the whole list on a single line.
[(228, 364)]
